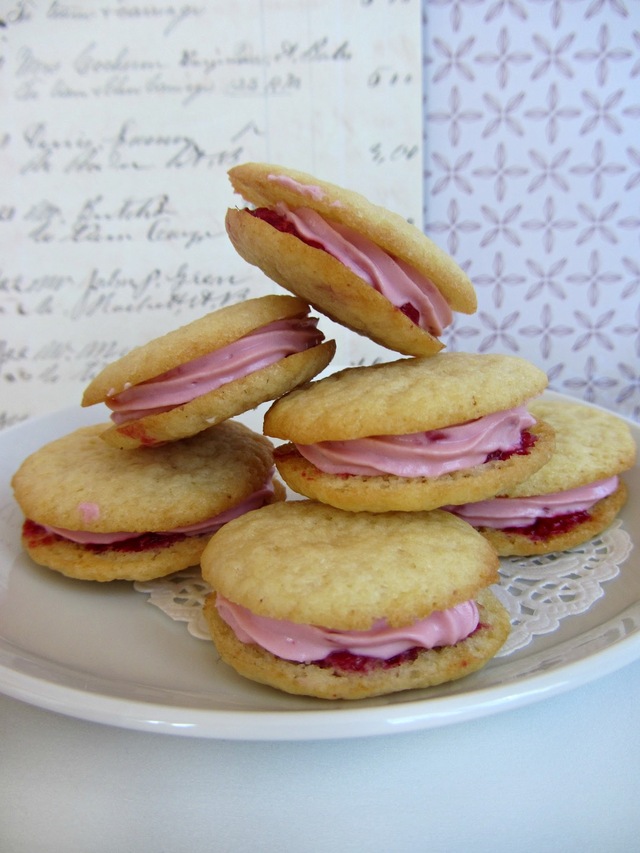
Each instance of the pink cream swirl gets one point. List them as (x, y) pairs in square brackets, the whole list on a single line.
[(184, 383), (422, 454), (307, 643), (397, 281), (206, 527), (502, 513)]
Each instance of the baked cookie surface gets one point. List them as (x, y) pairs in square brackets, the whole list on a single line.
[(307, 563), (79, 483), (389, 492), (323, 280), (310, 563), (202, 337), (428, 668), (510, 543), (404, 396), (591, 444)]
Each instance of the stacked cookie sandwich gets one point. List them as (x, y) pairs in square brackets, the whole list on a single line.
[(335, 595), (140, 497)]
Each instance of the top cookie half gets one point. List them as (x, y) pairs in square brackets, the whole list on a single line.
[(212, 369), (591, 444), (362, 265), (404, 396)]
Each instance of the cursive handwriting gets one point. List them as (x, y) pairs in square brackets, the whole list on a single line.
[(129, 147), (122, 71), (177, 290)]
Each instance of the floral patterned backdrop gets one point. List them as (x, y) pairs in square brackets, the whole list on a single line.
[(532, 182)]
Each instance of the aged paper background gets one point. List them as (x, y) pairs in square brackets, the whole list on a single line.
[(509, 130), (532, 160), (119, 121)]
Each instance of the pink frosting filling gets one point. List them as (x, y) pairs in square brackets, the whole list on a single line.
[(208, 526), (309, 190), (393, 278), (184, 383), (422, 454), (305, 643), (501, 513)]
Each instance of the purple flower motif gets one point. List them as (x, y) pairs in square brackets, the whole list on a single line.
[(501, 225), (501, 172), (456, 9), (632, 377), (503, 115), (634, 180), (453, 227), (634, 270), (593, 381), (552, 113), (503, 58), (456, 115), (545, 279), (552, 171), (552, 56), (499, 332), (602, 54), (556, 11), (500, 5), (593, 278), (455, 333), (636, 68), (499, 281), (596, 6), (598, 169), (629, 329), (453, 60), (452, 173), (594, 330), (549, 224), (631, 222), (546, 331), (554, 373), (597, 224), (602, 112)]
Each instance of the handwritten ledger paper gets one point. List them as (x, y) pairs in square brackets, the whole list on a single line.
[(118, 123)]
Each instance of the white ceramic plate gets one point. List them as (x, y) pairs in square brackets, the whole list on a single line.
[(99, 652)]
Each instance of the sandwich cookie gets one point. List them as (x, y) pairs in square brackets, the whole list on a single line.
[(362, 265), (413, 434), (572, 498), (94, 512), (214, 368), (320, 602)]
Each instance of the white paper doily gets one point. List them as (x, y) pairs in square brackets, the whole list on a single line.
[(538, 592)]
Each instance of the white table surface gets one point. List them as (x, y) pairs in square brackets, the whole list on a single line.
[(559, 775)]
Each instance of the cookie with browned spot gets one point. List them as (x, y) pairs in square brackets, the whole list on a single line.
[(316, 601), (364, 266), (572, 498), (95, 512), (413, 434), (214, 368)]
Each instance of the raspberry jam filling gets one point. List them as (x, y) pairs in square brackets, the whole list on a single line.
[(527, 441), (348, 662), (538, 516), (494, 437), (35, 534), (281, 223), (408, 290), (302, 643), (543, 528), (263, 347)]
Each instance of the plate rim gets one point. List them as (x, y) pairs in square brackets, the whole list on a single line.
[(336, 721)]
